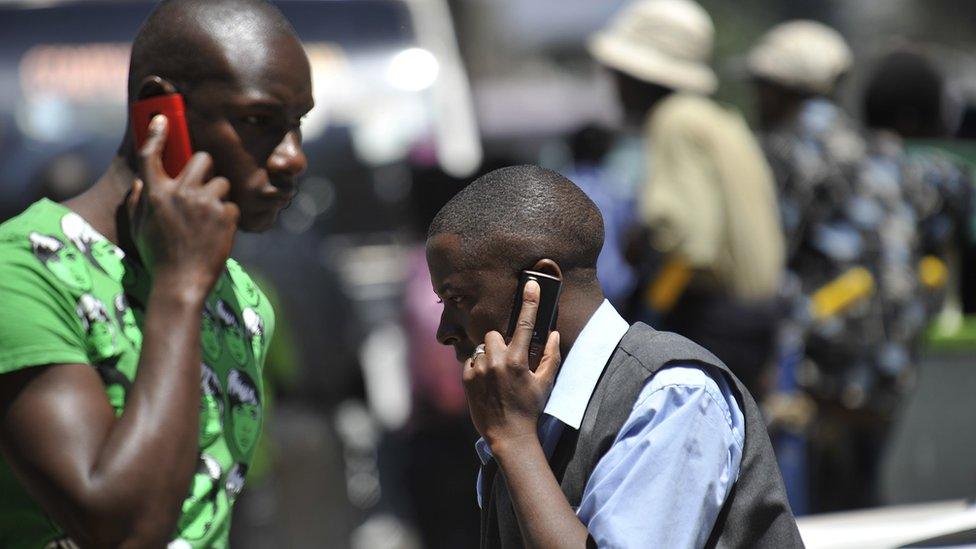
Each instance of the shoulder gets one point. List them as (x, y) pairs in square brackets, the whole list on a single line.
[(684, 114), (34, 251), (254, 303), (701, 389)]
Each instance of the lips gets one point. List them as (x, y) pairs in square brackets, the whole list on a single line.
[(281, 192)]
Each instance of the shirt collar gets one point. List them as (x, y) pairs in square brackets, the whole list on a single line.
[(584, 364)]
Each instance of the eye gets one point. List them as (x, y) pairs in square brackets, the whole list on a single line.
[(256, 120), (452, 299)]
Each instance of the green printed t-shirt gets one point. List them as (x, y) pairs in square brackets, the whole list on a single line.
[(69, 296)]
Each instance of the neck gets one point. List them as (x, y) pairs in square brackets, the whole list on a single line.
[(101, 204), (576, 306)]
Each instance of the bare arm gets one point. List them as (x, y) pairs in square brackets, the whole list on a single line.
[(545, 516), (120, 481)]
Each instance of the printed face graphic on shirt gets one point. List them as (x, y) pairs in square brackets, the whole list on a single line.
[(127, 320), (254, 328), (206, 499), (102, 253), (210, 336), (233, 332), (101, 333), (247, 290), (65, 262), (211, 406), (235, 481), (245, 410)]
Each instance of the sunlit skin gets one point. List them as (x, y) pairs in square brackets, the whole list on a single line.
[(111, 480)]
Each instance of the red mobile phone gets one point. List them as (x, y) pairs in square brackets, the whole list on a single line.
[(177, 151), (545, 318)]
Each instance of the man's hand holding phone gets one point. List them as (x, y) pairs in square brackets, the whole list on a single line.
[(183, 228), (504, 395)]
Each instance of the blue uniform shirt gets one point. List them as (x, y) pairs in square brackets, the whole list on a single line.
[(663, 481)]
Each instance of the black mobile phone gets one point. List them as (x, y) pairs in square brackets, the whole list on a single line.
[(545, 318)]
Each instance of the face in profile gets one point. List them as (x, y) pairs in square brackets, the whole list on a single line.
[(475, 301), (64, 262)]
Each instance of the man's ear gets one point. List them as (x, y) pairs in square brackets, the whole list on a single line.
[(549, 267), (154, 85)]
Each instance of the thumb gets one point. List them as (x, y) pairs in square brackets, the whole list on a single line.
[(551, 358)]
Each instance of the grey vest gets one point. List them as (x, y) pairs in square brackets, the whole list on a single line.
[(756, 512)]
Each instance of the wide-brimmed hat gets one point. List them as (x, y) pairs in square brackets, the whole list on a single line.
[(802, 55), (665, 42)]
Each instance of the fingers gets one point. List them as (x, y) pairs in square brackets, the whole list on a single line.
[(218, 188), (132, 201), (232, 213), (151, 153), (197, 170), (494, 344), (526, 321), (551, 358), (469, 371)]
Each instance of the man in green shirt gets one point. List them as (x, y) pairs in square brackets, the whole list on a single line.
[(131, 346)]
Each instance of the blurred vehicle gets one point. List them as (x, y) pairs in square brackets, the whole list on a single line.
[(939, 524)]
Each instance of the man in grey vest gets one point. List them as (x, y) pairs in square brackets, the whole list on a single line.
[(638, 438)]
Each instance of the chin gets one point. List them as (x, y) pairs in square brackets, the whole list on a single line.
[(257, 222)]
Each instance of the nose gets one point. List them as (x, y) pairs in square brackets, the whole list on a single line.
[(288, 157), (448, 330)]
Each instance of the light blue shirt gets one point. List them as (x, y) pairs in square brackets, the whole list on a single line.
[(663, 481)]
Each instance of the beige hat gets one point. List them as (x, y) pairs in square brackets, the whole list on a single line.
[(804, 55), (665, 42)]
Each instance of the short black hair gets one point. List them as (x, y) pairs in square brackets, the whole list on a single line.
[(241, 389), (172, 41), (905, 94), (520, 214)]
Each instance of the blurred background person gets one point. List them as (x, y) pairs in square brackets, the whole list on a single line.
[(848, 244), (907, 107), (707, 202), (832, 227), (853, 209)]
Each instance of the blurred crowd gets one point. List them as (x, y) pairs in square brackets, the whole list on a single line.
[(811, 244)]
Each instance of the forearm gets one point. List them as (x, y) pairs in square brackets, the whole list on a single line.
[(545, 516), (144, 467)]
